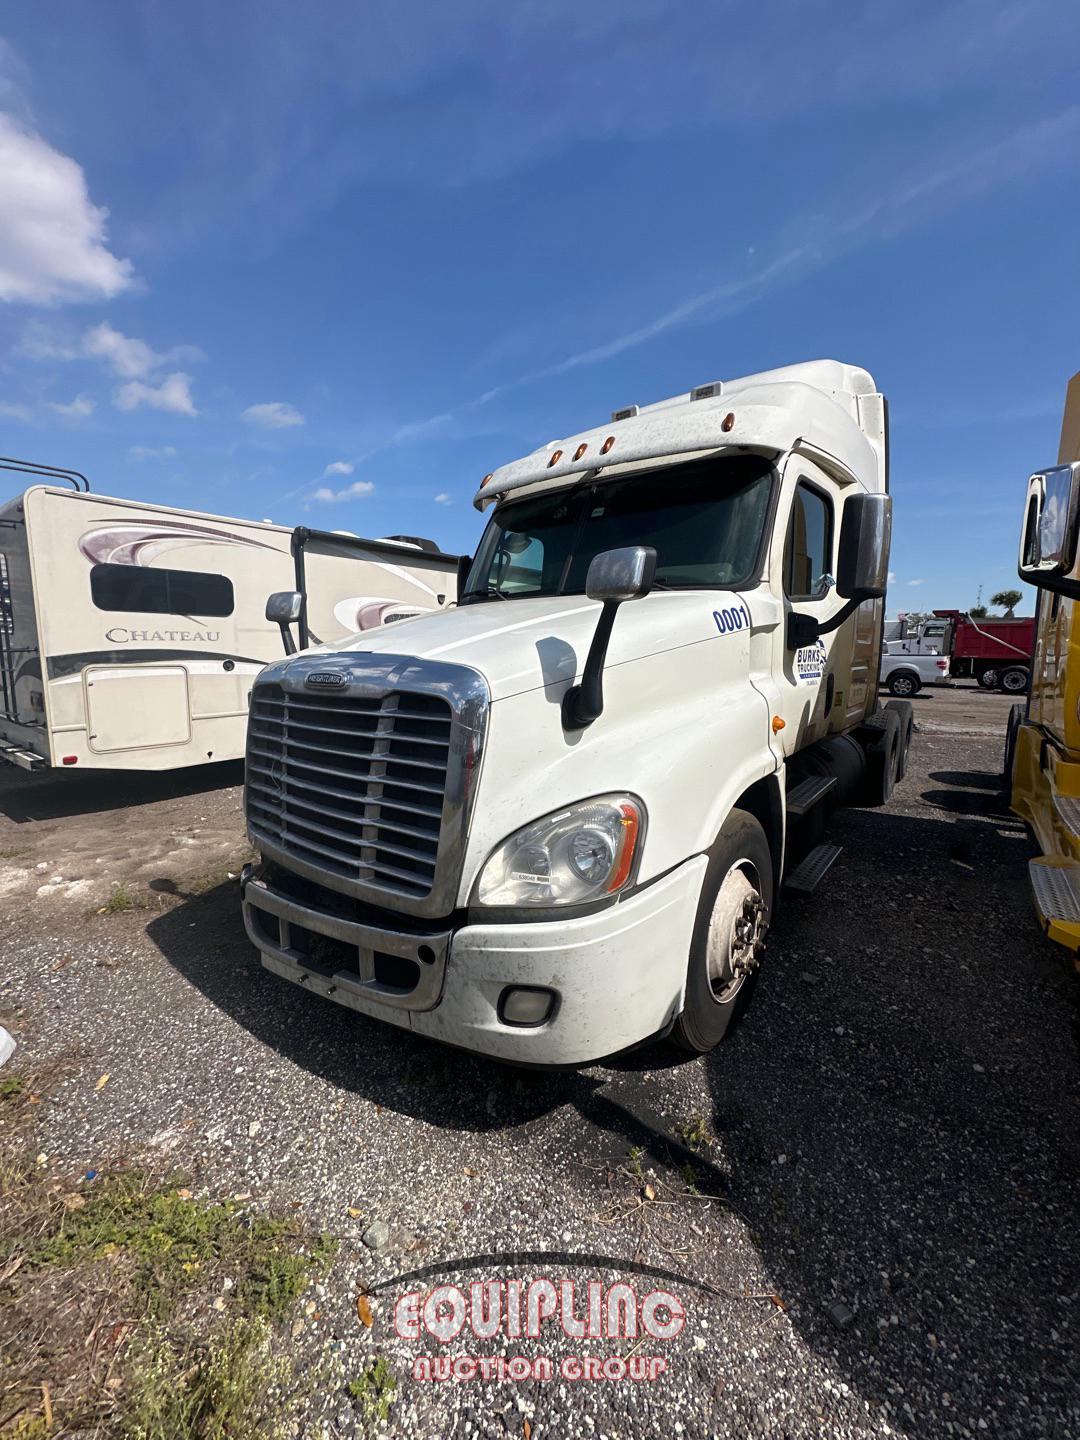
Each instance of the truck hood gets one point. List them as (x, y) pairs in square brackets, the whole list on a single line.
[(533, 643)]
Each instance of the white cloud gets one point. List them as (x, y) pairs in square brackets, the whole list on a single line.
[(443, 498), (916, 582), (52, 237), (139, 453), (892, 577), (77, 409), (129, 358), (351, 492), (173, 394), (11, 411), (274, 415), (338, 467)]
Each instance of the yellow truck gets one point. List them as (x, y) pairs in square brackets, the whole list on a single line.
[(1042, 748)]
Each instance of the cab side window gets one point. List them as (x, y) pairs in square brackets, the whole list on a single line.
[(808, 551)]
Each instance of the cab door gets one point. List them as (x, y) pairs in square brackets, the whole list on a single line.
[(804, 567)]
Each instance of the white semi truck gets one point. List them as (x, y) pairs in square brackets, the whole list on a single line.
[(553, 821)]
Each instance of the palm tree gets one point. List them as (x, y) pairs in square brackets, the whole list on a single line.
[(1007, 600)]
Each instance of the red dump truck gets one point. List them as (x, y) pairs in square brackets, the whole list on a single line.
[(995, 652)]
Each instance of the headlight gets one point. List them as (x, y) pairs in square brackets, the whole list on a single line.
[(581, 853)]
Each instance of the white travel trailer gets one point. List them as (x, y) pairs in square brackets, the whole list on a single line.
[(130, 633), (554, 822)]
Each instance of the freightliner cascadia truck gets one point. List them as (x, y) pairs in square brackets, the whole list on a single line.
[(552, 822), (1042, 748)]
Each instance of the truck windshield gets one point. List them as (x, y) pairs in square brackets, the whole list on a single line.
[(705, 519)]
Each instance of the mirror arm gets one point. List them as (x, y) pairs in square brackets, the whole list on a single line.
[(805, 629), (1064, 585), (584, 703), (286, 637)]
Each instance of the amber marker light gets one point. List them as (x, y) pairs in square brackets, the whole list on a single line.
[(580, 450), (631, 824), (608, 443), (778, 723), (728, 422), (486, 478), (556, 456)]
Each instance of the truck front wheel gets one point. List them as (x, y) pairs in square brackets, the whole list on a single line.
[(988, 678), (733, 917)]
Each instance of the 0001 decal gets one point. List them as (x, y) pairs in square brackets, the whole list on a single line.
[(732, 618)]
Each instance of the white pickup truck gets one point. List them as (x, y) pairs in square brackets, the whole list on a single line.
[(904, 674), (553, 822)]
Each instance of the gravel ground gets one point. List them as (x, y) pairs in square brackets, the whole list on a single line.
[(893, 1128)]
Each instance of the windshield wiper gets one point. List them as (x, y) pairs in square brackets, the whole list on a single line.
[(489, 594)]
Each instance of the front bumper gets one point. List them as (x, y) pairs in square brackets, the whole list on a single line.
[(618, 974)]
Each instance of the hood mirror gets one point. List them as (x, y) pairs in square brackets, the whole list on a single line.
[(283, 609), (614, 576)]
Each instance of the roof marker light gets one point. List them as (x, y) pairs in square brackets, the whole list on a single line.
[(626, 414), (556, 456), (489, 476), (728, 422), (608, 443), (580, 450)]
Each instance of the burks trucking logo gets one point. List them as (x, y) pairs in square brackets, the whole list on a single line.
[(520, 1311), (810, 663)]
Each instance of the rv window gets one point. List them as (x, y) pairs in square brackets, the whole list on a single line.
[(160, 592)]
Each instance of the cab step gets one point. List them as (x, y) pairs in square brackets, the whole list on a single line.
[(1057, 889), (809, 873), (1068, 808), (806, 794)]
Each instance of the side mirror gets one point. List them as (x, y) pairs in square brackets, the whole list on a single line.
[(624, 574), (1048, 542), (614, 576), (283, 609), (464, 565), (862, 567)]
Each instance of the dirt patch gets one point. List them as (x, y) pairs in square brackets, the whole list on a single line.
[(118, 842)]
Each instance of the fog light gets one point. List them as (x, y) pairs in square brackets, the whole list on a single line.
[(522, 1005)]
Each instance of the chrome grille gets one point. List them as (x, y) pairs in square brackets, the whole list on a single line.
[(353, 785)]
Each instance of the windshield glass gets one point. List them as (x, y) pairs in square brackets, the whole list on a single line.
[(704, 518)]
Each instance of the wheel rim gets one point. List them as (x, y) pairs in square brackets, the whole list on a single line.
[(988, 678), (1012, 681), (736, 931), (902, 685)]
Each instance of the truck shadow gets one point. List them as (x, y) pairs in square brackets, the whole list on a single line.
[(61, 794), (890, 1125), (912, 1073)]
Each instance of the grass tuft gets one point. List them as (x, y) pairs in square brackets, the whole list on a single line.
[(234, 1387), (374, 1392), (123, 898)]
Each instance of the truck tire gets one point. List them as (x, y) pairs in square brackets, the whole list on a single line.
[(882, 743), (1014, 681), (906, 716), (1016, 719), (904, 683), (732, 920), (988, 678)]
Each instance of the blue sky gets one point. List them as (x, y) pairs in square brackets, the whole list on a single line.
[(257, 255)]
